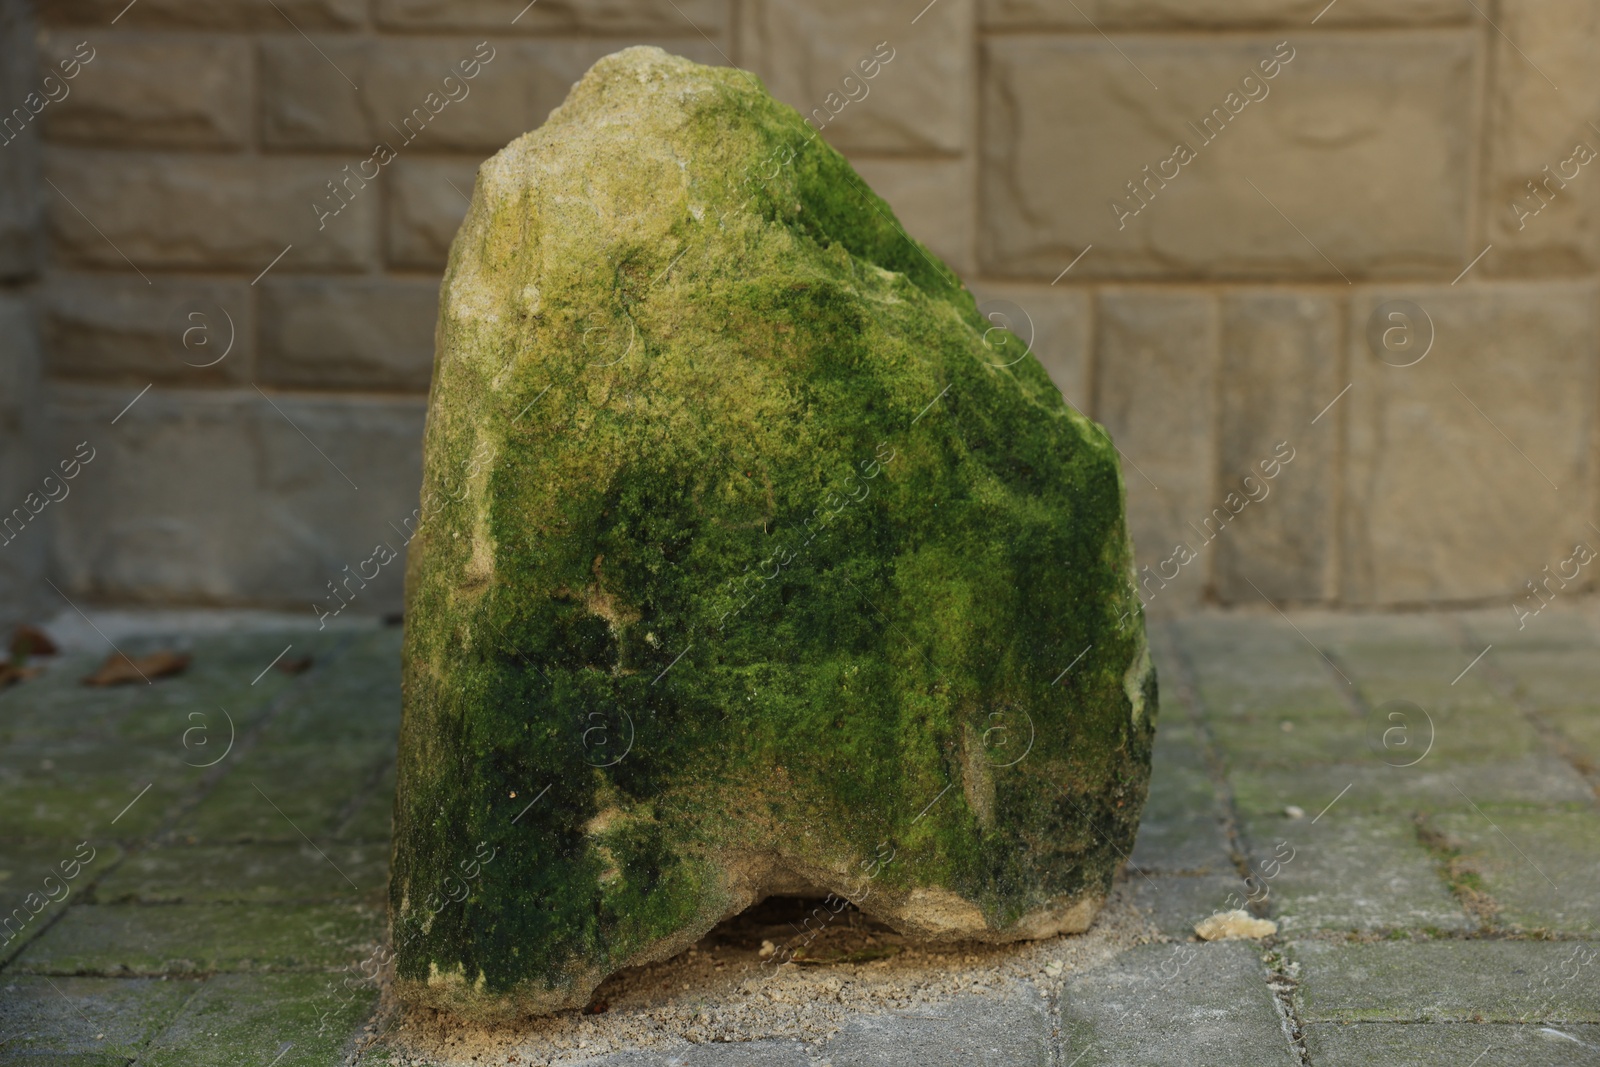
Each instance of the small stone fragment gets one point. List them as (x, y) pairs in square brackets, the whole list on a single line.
[(1236, 925)]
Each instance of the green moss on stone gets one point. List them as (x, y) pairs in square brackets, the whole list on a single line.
[(738, 548)]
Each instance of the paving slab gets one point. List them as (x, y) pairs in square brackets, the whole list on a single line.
[(79, 790), (1462, 1044), (287, 793), (57, 707), (189, 939), (246, 874), (1181, 828), (1011, 1028), (1448, 981), (1184, 1005), (38, 878), (256, 933), (712, 1054), (1542, 868), (111, 1018), (1538, 782), (371, 815), (354, 701), (1175, 903), (284, 1020), (1349, 872)]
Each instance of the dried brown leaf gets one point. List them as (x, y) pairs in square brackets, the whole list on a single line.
[(119, 669)]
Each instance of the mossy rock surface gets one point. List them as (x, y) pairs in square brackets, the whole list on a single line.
[(751, 561)]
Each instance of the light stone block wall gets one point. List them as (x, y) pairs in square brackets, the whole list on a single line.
[(1216, 322), (24, 522)]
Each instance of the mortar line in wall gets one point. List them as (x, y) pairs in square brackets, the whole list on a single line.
[(1231, 33), (1208, 583), (1333, 573), (1477, 227)]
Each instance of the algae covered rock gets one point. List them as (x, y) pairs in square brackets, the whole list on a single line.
[(752, 560)]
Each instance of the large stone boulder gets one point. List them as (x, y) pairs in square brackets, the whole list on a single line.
[(752, 560)]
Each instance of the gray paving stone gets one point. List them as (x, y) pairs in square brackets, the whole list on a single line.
[(1194, 1005), (1350, 872), (35, 884), (1174, 903), (66, 1016), (288, 1020), (713, 1054), (193, 939), (1012, 1029), (1543, 869), (81, 790), (279, 793), (1392, 1045), (1540, 781), (249, 874), (1180, 829), (1448, 981)]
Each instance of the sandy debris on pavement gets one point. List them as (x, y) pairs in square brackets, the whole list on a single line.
[(721, 989)]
